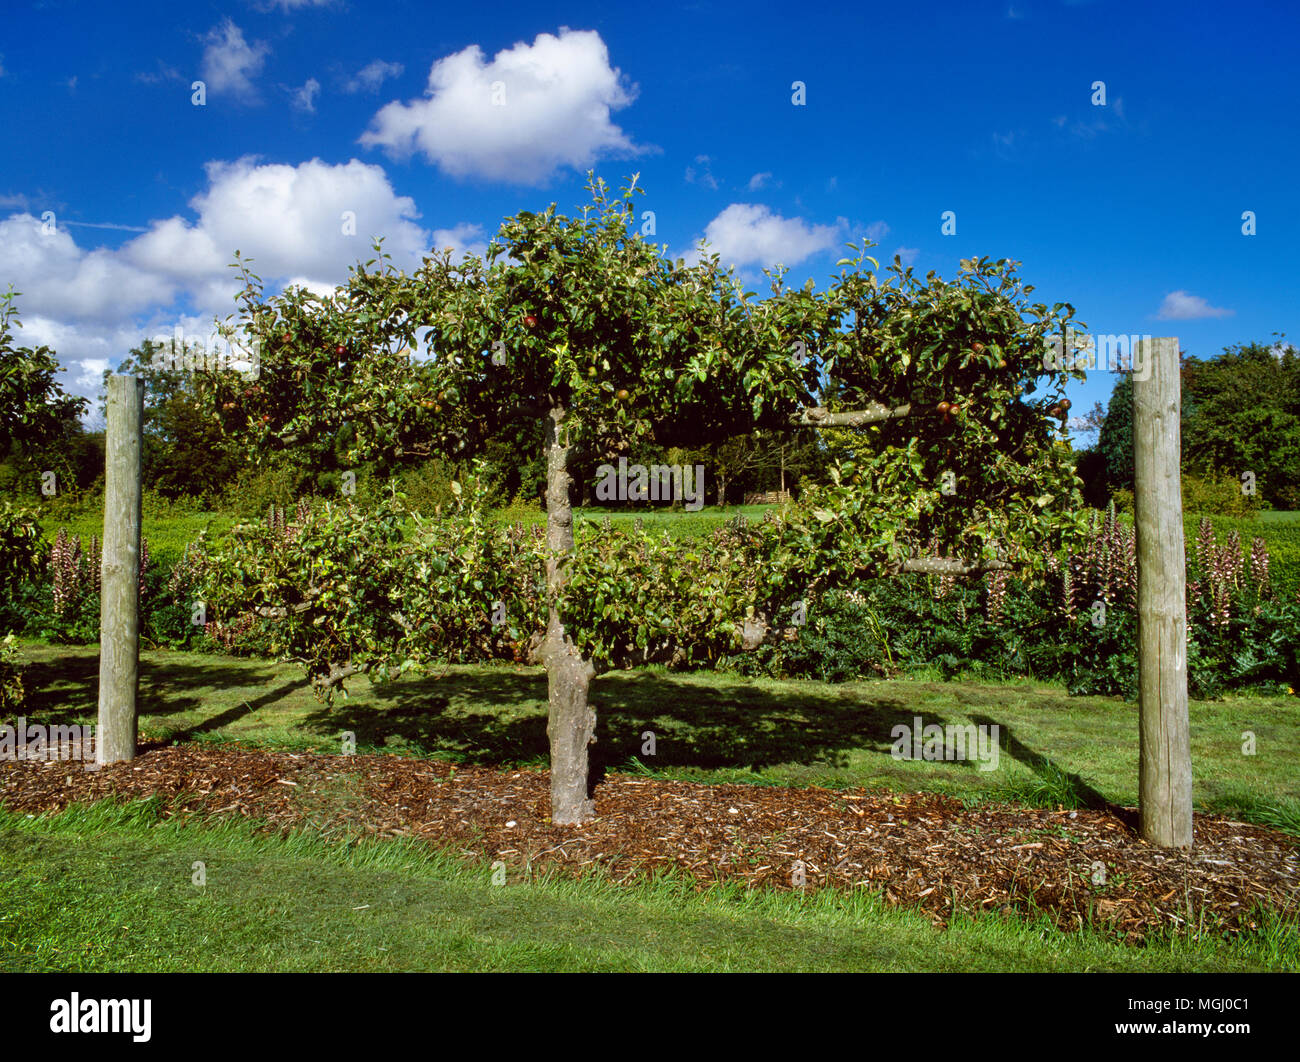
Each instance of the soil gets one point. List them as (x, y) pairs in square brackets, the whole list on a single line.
[(923, 851)]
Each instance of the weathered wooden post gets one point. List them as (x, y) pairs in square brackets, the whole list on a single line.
[(1165, 768), (119, 610)]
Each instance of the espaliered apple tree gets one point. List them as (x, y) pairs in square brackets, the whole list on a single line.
[(584, 327), (576, 322)]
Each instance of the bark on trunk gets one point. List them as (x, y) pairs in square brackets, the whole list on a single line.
[(722, 491), (571, 725)]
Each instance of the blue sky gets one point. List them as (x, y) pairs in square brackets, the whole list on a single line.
[(1131, 210)]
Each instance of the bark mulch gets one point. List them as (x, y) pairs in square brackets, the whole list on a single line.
[(918, 850)]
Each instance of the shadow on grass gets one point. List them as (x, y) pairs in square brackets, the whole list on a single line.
[(67, 688), (496, 717), (1051, 773), (490, 718)]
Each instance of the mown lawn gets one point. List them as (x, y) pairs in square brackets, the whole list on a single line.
[(112, 888)]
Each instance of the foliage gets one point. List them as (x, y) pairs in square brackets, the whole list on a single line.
[(184, 453), (1217, 493), (1242, 413), (20, 547), (12, 694), (35, 412)]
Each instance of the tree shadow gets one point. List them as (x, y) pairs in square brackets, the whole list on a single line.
[(1041, 764), (731, 725), (67, 689), (231, 715)]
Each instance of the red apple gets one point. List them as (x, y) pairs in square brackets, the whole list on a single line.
[(340, 350), (530, 321), (944, 407)]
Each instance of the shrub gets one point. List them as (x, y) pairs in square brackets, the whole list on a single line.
[(1219, 494)]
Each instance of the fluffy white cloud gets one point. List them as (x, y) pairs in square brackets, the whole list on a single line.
[(533, 110), (372, 75), (290, 219), (92, 305), (58, 279), (230, 63), (758, 180), (1180, 306), (748, 234), (907, 255)]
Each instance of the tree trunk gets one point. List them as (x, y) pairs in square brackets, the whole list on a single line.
[(1165, 756), (722, 491), (571, 724)]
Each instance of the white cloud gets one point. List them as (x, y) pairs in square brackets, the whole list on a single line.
[(60, 280), (92, 372), (877, 231), (907, 255), (1180, 306), (304, 99), (462, 239), (372, 75), (289, 218), (93, 305), (230, 63), (555, 98), (758, 180), (751, 234)]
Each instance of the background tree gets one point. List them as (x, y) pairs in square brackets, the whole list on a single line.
[(1242, 414), (1115, 438), (39, 421), (185, 453)]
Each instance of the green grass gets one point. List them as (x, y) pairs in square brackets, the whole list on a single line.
[(167, 535), (110, 888), (709, 727)]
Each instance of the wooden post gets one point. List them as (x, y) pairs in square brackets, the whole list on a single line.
[(119, 611), (1165, 768)]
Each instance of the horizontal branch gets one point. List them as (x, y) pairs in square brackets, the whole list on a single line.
[(875, 412), (337, 674)]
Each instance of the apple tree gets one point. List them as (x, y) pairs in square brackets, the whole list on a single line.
[(580, 325)]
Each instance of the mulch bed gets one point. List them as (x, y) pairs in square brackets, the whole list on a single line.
[(918, 850)]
